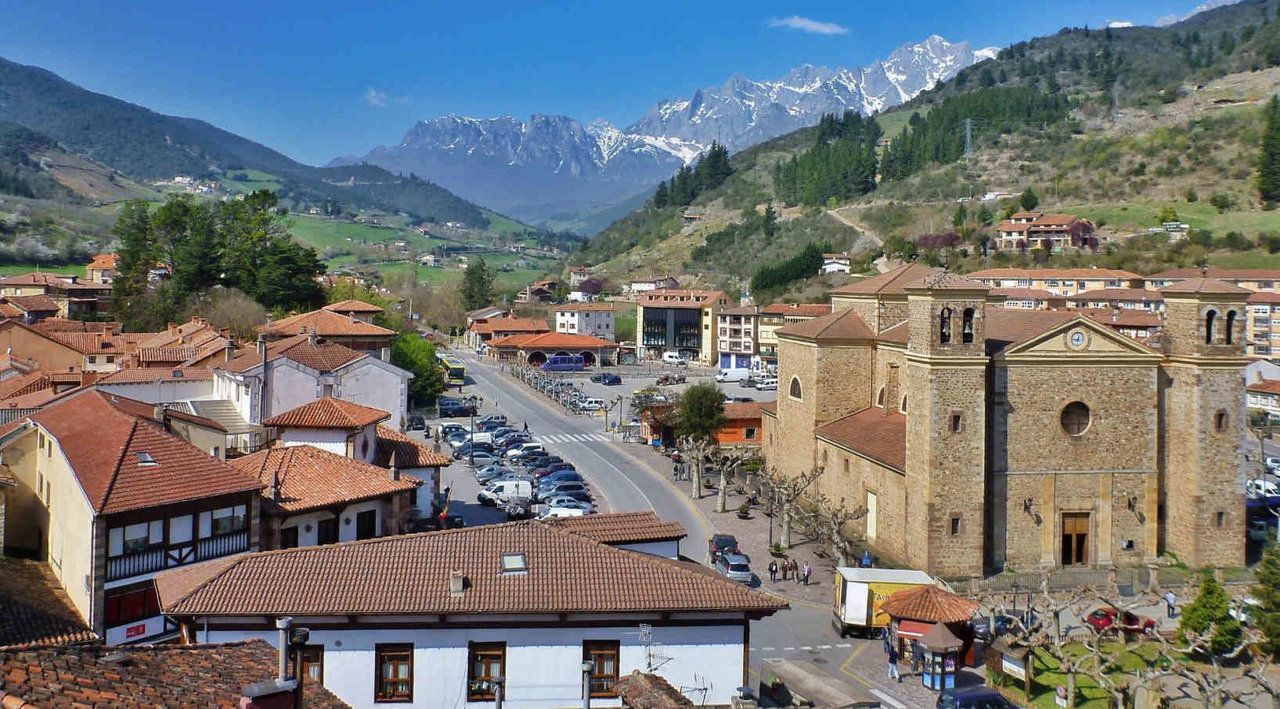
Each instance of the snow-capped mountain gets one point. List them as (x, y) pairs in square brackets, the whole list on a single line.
[(550, 166), (1205, 7)]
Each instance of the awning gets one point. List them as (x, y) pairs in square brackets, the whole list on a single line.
[(913, 628)]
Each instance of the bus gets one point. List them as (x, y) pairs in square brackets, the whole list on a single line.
[(455, 374), (564, 363)]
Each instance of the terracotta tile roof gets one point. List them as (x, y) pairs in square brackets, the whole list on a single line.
[(621, 527), (143, 677), (34, 609), (1009, 326), (105, 261), (552, 340), (1122, 317), (1061, 273), (1209, 286), (679, 298), (102, 436), (1232, 274), (36, 398), (1025, 215), (64, 325), (174, 355), (157, 374), (409, 453), (802, 310), (352, 306), (888, 283), (770, 408), (930, 604), (413, 577), (1023, 293), (1266, 386), (840, 325), (873, 433), (328, 412), (947, 280), (742, 410), (1264, 297), (898, 334), (32, 303), (89, 342), (8, 311), (584, 307), (23, 384), (326, 324), (743, 310), (1119, 295), (321, 356), (311, 478), (36, 279), (518, 325)]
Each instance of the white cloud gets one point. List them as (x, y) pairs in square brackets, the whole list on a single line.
[(374, 97), (1119, 24), (804, 24)]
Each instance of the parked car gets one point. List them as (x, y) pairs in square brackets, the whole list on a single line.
[(591, 403), (733, 375), (505, 491), (1261, 488), (735, 567), (1272, 462), (972, 698), (479, 458), (1103, 619), (1004, 623), (559, 511), (767, 384), (448, 429), (720, 544), (606, 378), (525, 449), (737, 399), (561, 487), (565, 501), (560, 476), (499, 419), (451, 409), (674, 358), (554, 467), (493, 472), (416, 423)]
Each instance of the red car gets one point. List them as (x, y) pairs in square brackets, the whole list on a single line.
[(1104, 619)]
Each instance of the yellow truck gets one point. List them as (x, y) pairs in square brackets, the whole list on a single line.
[(859, 593)]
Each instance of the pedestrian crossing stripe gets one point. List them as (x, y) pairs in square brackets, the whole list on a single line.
[(572, 438)]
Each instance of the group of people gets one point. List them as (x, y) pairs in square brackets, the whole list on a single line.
[(891, 652), (790, 570)]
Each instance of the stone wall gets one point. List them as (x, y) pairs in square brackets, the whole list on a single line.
[(849, 477)]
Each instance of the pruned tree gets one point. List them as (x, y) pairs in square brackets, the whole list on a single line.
[(730, 462), (697, 450), (832, 518), (786, 490)]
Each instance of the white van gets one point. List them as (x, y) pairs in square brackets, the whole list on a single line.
[(504, 491), (524, 449), (480, 438), (591, 403), (553, 512), (673, 358), (733, 375)]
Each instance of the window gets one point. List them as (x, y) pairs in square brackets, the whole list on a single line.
[(903, 408), (749, 434), (394, 682), (1075, 418), (229, 519), (132, 605), (137, 537), (603, 656), (111, 359), (880, 398), (957, 423), (955, 525), (1209, 318), (966, 326), (367, 524), (216, 452), (289, 538), (312, 669), (1231, 325), (1221, 519), (944, 326), (1220, 421), (846, 465), (485, 667), (824, 456), (795, 388)]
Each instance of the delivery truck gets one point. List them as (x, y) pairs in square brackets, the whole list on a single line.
[(859, 593)]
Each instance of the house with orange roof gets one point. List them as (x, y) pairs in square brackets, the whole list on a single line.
[(777, 315), (483, 329), (102, 269), (107, 497), (100, 351), (1037, 230), (537, 349), (72, 294), (1065, 282), (741, 425), (680, 321), (351, 328), (595, 319), (1264, 395)]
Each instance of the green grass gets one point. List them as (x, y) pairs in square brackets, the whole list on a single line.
[(1139, 215), (16, 269), (320, 234), (1089, 695), (258, 180), (504, 225)]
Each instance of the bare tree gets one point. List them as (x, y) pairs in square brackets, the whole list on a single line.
[(730, 462), (832, 518), (787, 490), (232, 309), (697, 450)]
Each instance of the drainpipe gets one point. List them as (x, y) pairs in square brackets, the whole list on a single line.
[(283, 624)]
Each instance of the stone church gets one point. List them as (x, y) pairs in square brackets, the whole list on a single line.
[(978, 438)]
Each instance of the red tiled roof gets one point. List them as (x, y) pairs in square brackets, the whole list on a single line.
[(1204, 285), (888, 283), (105, 261), (311, 478), (321, 356), (567, 573), (584, 307), (679, 298), (802, 310), (1006, 327), (1062, 273), (873, 433), (552, 340), (167, 354), (34, 609), (1122, 317), (326, 324), (840, 325), (1023, 293), (157, 374), (328, 412), (621, 527), (352, 306), (769, 407), (64, 325), (898, 334), (930, 604), (32, 303), (89, 342), (518, 325), (947, 280), (1232, 274), (1266, 386), (1264, 297), (408, 452), (143, 677), (102, 443), (1119, 295), (739, 410), (23, 384)]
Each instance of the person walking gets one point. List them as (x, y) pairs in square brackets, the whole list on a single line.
[(866, 558), (917, 657), (884, 634), (1170, 601), (795, 570), (526, 426), (805, 571), (773, 572), (893, 664)]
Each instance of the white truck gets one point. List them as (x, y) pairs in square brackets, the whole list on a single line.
[(733, 375), (859, 593), (500, 493)]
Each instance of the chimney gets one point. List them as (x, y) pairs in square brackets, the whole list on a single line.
[(274, 490), (385, 354), (457, 583), (395, 471), (283, 624), (262, 346), (311, 337), (229, 351)]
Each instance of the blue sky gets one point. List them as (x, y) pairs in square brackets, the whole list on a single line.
[(315, 79)]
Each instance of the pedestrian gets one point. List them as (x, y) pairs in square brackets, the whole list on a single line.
[(893, 664), (795, 570), (917, 657), (1171, 601), (805, 571), (773, 572), (884, 634), (526, 426), (866, 558)]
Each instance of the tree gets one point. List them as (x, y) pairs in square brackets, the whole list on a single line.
[(1269, 155), (960, 217), (785, 491), (769, 223), (1208, 614), (232, 309), (985, 218), (701, 412), (1167, 214), (477, 285), (1222, 201), (661, 197), (417, 354), (1266, 613), (1029, 200)]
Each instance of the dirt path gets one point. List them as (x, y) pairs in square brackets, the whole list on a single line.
[(881, 263)]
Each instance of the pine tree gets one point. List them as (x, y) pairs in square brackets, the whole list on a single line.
[(1266, 615), (477, 285), (1029, 199), (1269, 156), (1210, 609), (661, 196), (770, 221)]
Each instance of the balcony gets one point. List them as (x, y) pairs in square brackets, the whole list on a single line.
[(159, 558), (222, 545), (135, 564)]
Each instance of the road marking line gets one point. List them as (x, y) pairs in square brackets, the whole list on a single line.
[(806, 647), (845, 665), (888, 699), (824, 647), (787, 649), (844, 645), (767, 649)]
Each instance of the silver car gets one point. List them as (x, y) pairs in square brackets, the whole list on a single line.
[(735, 567)]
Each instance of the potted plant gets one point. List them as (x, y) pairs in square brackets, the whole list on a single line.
[(744, 511), (777, 551)]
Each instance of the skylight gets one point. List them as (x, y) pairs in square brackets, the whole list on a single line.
[(145, 458), (514, 563)]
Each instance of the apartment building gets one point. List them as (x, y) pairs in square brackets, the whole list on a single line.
[(736, 332), (681, 321)]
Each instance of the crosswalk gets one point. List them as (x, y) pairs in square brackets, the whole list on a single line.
[(572, 438)]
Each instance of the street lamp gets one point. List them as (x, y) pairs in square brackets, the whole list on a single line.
[(471, 448), (587, 667)]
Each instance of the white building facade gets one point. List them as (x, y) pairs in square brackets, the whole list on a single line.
[(594, 319)]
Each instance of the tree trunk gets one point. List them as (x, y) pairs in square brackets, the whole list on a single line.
[(1071, 688), (784, 536), (695, 475), (723, 493)]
